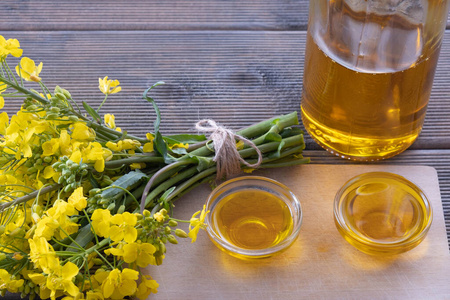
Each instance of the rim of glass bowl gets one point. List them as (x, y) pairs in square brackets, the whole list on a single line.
[(231, 186), (417, 235)]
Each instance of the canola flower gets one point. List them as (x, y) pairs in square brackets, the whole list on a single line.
[(85, 206)]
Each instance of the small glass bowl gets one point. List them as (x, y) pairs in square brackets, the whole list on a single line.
[(382, 213), (253, 217)]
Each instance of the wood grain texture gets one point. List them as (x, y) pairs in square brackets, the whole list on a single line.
[(145, 15), (235, 77), (150, 15)]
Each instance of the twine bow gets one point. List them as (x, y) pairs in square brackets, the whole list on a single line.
[(227, 157)]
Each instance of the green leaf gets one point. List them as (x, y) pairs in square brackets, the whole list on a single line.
[(155, 107), (203, 162), (184, 138), (92, 112), (85, 235), (167, 194), (180, 151), (127, 181)]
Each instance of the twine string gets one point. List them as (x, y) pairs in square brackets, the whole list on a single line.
[(227, 157)]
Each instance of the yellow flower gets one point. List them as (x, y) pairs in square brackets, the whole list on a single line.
[(179, 145), (110, 121), (77, 199), (2, 100), (10, 46), (49, 172), (94, 295), (46, 227), (141, 253), (42, 254), (28, 69), (62, 279), (148, 147), (123, 228), (147, 286), (4, 122), (108, 87), (159, 217), (50, 147), (196, 223), (101, 222), (120, 284), (81, 132), (96, 154), (8, 282)]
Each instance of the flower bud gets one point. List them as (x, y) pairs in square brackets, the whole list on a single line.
[(146, 213), (32, 107), (57, 165), (51, 116), (2, 256), (181, 233), (121, 209), (55, 109), (173, 223), (172, 239), (61, 96), (66, 93), (17, 232), (111, 206), (93, 192), (73, 118), (48, 159), (98, 261), (167, 229), (159, 260), (31, 170)]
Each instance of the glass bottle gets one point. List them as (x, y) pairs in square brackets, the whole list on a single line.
[(369, 69)]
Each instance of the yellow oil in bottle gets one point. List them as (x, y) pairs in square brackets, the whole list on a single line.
[(366, 83), (252, 219)]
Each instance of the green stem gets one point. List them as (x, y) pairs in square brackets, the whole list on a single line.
[(135, 159), (30, 196), (25, 91), (101, 104)]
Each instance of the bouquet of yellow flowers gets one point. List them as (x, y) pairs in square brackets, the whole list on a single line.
[(85, 206)]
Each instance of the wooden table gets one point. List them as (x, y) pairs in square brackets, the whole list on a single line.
[(237, 62)]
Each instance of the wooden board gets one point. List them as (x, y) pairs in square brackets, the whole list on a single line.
[(320, 264)]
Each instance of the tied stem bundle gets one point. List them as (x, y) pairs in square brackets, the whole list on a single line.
[(227, 157), (71, 223)]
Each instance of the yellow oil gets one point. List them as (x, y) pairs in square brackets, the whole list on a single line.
[(252, 219), (366, 83), (383, 212)]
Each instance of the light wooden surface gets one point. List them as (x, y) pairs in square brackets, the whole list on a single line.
[(320, 264)]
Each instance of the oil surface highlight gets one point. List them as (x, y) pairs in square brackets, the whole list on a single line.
[(252, 219)]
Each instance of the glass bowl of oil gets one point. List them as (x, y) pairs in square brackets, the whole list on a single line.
[(253, 217), (382, 213)]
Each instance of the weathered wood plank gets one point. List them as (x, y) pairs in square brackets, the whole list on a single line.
[(235, 77), (145, 15), (154, 15)]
